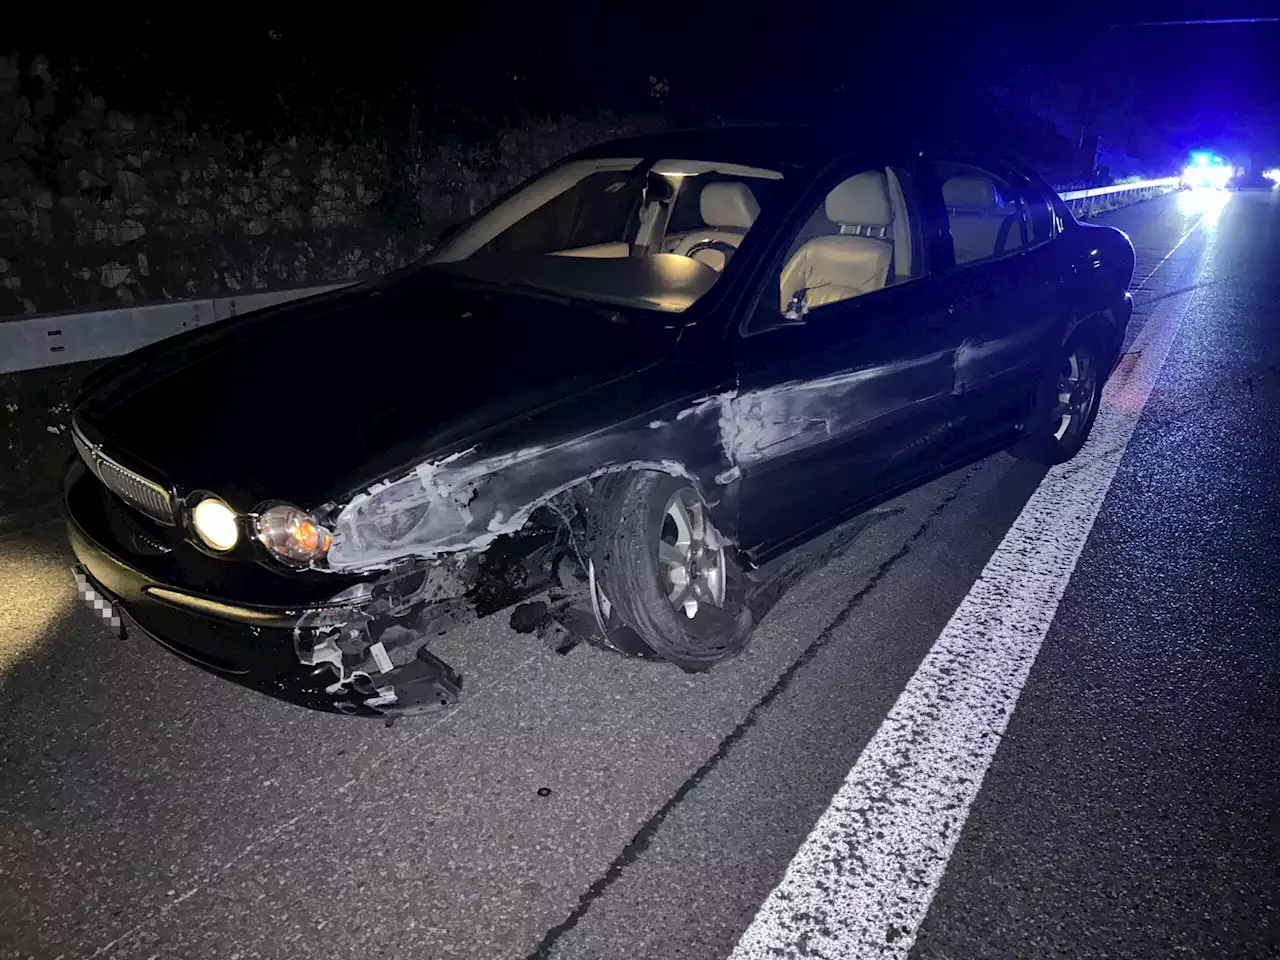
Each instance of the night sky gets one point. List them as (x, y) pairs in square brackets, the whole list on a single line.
[(1161, 90)]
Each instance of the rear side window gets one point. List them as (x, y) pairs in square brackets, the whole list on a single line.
[(984, 212)]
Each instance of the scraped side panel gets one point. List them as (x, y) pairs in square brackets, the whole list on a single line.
[(465, 501)]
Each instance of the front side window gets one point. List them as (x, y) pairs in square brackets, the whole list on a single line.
[(859, 239), (984, 212), (616, 230)]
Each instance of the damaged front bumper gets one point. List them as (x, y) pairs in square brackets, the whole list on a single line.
[(348, 643), (364, 652), (276, 651)]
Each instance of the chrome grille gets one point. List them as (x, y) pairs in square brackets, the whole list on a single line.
[(142, 494)]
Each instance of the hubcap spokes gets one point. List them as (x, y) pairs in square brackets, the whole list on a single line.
[(1075, 395), (690, 555)]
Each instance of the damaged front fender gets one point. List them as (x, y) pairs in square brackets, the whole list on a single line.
[(473, 524), (463, 502)]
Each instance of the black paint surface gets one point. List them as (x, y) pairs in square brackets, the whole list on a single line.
[(448, 401)]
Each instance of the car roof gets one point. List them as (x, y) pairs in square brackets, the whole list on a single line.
[(765, 145), (786, 145)]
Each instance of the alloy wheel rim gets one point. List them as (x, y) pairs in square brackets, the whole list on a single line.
[(1076, 394), (691, 555)]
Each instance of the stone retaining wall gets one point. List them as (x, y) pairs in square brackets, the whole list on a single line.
[(99, 208)]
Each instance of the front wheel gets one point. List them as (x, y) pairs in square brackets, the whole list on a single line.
[(664, 565), (1066, 403)]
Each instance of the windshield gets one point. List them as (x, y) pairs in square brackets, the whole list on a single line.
[(616, 230)]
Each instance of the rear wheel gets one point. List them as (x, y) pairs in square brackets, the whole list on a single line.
[(665, 567), (1066, 403)]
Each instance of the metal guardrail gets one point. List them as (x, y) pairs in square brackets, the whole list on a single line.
[(55, 339), (52, 340), (1091, 201)]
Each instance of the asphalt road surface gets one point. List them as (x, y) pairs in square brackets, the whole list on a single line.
[(1072, 755)]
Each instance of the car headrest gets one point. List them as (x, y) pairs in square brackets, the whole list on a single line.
[(970, 192), (862, 200), (728, 205)]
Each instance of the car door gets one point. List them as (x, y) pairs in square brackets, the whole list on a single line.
[(1009, 284), (845, 368)]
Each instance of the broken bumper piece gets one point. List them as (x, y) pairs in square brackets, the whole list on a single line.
[(373, 650), (341, 658), (423, 684)]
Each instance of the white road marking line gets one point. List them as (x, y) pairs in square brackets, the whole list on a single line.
[(1181, 241), (861, 883)]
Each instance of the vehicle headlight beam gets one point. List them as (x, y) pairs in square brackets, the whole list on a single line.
[(216, 524)]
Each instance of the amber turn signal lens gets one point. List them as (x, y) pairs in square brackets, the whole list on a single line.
[(292, 534), (307, 536)]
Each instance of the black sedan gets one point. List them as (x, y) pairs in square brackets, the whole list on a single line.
[(605, 401)]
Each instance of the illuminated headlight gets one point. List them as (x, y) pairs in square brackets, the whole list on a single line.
[(292, 534), (216, 524)]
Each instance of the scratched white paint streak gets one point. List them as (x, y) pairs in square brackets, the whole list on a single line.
[(861, 883), (777, 420), (448, 524)]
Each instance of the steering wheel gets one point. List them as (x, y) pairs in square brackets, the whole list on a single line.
[(721, 246)]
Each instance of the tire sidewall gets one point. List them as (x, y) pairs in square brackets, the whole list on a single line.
[(630, 575), (1040, 445)]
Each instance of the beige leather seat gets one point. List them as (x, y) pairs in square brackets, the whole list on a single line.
[(984, 224), (855, 261), (728, 209)]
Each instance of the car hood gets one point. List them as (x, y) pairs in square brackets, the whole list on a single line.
[(313, 399)]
